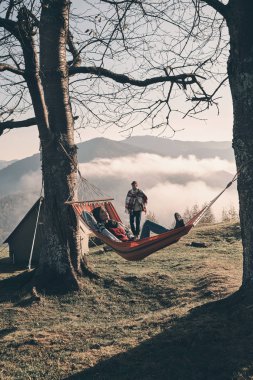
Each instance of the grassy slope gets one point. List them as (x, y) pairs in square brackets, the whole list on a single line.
[(155, 319)]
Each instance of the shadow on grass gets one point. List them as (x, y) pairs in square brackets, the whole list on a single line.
[(13, 287), (7, 331), (214, 342), (6, 266)]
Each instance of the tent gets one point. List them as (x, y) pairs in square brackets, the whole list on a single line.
[(23, 237)]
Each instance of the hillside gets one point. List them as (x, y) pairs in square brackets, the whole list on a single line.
[(11, 176), (12, 209), (161, 318), (175, 148), (4, 164)]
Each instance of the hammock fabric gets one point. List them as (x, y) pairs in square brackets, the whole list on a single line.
[(133, 250)]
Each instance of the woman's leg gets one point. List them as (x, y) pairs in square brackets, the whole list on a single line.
[(150, 226)]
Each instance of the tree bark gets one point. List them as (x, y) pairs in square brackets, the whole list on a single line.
[(61, 262), (32, 73), (240, 70)]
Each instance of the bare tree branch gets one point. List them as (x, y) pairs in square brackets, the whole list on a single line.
[(208, 98), (217, 5), (11, 26), (11, 124), (121, 2), (17, 124), (74, 51), (12, 69), (182, 79), (10, 8)]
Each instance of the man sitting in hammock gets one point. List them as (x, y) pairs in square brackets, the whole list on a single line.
[(123, 233)]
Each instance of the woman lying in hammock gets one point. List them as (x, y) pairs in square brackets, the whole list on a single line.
[(123, 233)]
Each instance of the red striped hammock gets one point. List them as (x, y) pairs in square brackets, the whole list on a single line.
[(138, 250), (134, 250)]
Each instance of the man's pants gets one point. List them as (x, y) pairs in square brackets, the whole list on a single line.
[(135, 221)]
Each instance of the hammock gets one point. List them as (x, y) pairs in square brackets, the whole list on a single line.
[(132, 250), (137, 250)]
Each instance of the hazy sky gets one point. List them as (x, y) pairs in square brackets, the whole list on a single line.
[(17, 144), (155, 174), (24, 142)]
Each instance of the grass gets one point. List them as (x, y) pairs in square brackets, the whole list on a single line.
[(167, 317)]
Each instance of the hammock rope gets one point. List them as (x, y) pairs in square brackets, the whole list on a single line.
[(202, 212), (88, 192)]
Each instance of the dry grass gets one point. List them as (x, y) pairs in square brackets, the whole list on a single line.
[(164, 317)]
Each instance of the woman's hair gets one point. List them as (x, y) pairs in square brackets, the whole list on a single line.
[(96, 213)]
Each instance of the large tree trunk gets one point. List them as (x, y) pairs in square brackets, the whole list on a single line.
[(61, 262), (240, 69)]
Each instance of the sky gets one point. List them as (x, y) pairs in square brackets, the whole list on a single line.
[(20, 143), (154, 173)]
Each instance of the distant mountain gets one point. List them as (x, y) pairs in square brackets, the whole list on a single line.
[(175, 148), (11, 175), (105, 148), (97, 148), (12, 209), (4, 164)]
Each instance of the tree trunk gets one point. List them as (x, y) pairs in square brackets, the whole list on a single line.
[(240, 70), (61, 262)]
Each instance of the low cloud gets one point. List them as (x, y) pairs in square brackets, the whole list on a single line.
[(166, 198), (31, 182), (171, 184), (143, 164)]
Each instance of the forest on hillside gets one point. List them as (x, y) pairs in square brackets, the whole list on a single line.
[(12, 210)]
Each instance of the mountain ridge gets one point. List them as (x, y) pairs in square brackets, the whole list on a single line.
[(101, 147)]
